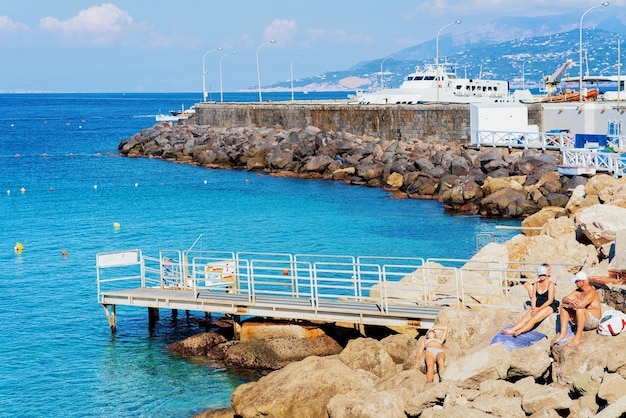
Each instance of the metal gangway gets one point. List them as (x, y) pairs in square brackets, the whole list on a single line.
[(366, 290)]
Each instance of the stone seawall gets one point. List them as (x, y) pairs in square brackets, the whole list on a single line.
[(449, 122)]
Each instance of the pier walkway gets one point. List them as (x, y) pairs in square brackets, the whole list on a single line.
[(382, 291)]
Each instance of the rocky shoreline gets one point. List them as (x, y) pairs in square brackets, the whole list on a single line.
[(575, 221), (492, 182)]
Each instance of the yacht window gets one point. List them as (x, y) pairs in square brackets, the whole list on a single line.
[(452, 76), (429, 77)]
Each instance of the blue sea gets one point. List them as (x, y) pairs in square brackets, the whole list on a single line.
[(62, 189)]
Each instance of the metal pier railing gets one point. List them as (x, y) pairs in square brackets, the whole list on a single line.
[(373, 290)]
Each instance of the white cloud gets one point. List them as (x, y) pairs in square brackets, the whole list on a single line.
[(101, 25), (281, 30), (7, 25)]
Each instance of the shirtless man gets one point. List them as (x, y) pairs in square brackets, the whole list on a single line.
[(583, 307)]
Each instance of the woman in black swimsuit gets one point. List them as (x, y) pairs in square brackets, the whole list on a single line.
[(542, 305)]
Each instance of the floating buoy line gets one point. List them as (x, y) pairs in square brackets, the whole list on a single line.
[(23, 190)]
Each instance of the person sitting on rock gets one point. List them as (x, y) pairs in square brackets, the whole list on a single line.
[(432, 348), (583, 307), (529, 284), (542, 304)]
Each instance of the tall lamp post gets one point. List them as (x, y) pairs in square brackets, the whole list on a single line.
[(291, 76), (258, 71), (580, 56), (204, 72), (524, 74), (382, 83), (456, 22), (221, 89)]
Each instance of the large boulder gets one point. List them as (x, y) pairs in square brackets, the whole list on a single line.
[(299, 390), (594, 351), (492, 185), (599, 223), (537, 398), (507, 203), (612, 388), (469, 371), (539, 219), (366, 404), (369, 355), (599, 182), (197, 345), (275, 353)]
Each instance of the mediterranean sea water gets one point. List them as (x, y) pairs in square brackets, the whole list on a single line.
[(62, 189)]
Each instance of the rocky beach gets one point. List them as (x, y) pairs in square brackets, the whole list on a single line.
[(570, 221)]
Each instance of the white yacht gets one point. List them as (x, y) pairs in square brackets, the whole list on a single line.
[(438, 83)]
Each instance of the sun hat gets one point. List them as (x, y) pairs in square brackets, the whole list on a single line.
[(542, 271), (580, 276)]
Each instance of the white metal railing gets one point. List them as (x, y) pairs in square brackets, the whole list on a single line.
[(600, 160), (519, 139), (386, 281), (537, 140)]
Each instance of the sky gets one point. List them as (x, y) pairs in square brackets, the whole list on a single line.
[(171, 46)]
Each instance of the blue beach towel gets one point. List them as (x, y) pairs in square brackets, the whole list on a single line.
[(523, 340)]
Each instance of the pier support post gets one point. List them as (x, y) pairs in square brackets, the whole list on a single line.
[(236, 327), (111, 318), (174, 314), (153, 316)]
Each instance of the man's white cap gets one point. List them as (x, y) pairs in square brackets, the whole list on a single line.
[(581, 276), (542, 271)]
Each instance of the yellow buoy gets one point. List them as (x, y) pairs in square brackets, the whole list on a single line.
[(116, 225), (18, 247), (23, 190)]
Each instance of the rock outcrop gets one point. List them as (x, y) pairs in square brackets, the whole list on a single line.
[(262, 348), (372, 378)]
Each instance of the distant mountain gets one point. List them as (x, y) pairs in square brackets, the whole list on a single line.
[(499, 50)]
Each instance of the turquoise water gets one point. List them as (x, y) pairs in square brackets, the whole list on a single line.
[(60, 357)]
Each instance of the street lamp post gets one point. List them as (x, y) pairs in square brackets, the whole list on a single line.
[(258, 71), (524, 74), (291, 77), (204, 72), (580, 56), (221, 89), (456, 22), (382, 83)]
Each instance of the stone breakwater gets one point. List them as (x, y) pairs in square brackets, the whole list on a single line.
[(490, 182)]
